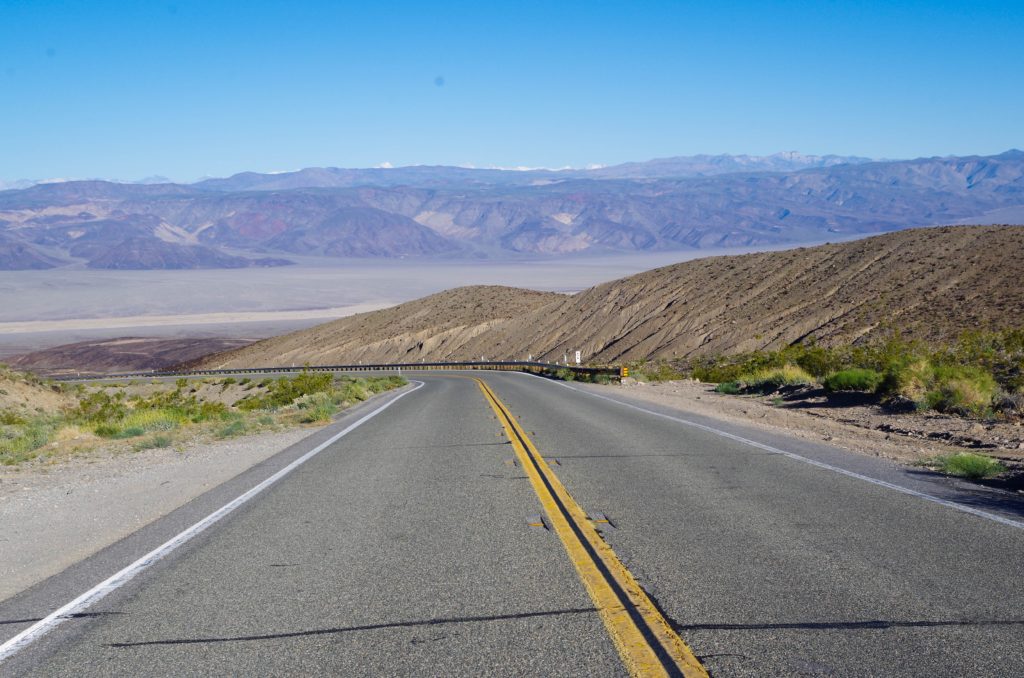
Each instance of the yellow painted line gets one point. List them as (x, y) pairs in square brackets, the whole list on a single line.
[(646, 642)]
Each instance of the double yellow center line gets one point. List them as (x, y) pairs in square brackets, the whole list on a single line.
[(646, 642)]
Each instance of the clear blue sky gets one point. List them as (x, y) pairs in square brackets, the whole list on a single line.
[(186, 89)]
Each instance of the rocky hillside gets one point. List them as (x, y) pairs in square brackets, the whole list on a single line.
[(927, 283), (670, 204)]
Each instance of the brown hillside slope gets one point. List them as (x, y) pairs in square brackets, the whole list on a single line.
[(929, 283), (124, 354), (440, 325)]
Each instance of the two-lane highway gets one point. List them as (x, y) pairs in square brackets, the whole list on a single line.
[(410, 546)]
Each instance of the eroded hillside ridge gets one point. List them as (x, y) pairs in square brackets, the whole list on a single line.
[(261, 220), (926, 283)]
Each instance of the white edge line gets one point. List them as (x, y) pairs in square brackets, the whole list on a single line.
[(104, 588), (813, 462)]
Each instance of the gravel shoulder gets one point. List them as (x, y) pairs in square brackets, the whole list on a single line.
[(52, 516), (863, 429)]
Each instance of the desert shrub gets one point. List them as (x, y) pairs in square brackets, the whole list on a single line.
[(350, 391), (234, 428), (853, 379), (1010, 404), (911, 380), (162, 411), (962, 390), (729, 387), (1001, 354), (770, 379), (655, 371), (956, 389), (816, 360), (381, 384), (106, 430), (100, 406), (21, 443), (209, 410), (163, 419), (316, 407), (720, 368), (157, 441), (118, 432), (969, 465), (8, 418), (285, 391)]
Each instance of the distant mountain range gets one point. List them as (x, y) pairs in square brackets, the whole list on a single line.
[(253, 219)]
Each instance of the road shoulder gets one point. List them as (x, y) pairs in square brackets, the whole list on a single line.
[(54, 517), (865, 453)]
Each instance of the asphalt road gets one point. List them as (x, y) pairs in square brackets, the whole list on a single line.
[(405, 548)]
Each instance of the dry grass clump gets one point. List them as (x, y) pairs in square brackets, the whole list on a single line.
[(966, 465)]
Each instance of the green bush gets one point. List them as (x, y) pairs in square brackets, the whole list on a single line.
[(157, 441), (285, 391), (729, 387), (969, 465), (381, 384), (910, 380), (1001, 354), (776, 377), (117, 432), (816, 360), (956, 389), (21, 443), (232, 429), (350, 391), (106, 430), (853, 379), (962, 390), (163, 419), (317, 407), (11, 419), (100, 406)]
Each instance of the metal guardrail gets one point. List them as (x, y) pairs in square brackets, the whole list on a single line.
[(516, 366)]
